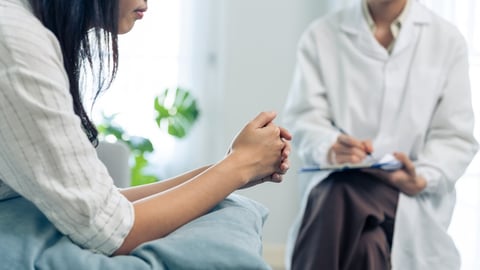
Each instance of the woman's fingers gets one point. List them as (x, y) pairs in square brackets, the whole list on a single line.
[(285, 134), (269, 144), (263, 119)]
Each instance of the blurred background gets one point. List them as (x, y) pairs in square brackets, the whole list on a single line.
[(236, 58)]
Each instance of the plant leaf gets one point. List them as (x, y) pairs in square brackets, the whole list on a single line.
[(179, 109)]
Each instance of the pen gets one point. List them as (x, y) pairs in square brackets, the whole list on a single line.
[(338, 128), (345, 133)]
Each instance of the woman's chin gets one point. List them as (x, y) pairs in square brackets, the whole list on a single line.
[(125, 28)]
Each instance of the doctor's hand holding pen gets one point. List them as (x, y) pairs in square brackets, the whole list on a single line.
[(348, 149), (252, 133)]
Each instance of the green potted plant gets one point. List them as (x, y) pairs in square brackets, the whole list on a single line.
[(176, 113)]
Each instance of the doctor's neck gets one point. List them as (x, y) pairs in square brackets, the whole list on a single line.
[(385, 11)]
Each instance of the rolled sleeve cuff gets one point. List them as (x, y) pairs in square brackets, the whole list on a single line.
[(115, 221), (434, 180)]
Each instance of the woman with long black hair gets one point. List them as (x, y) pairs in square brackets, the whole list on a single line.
[(47, 152)]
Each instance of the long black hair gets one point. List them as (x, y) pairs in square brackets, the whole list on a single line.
[(87, 32)]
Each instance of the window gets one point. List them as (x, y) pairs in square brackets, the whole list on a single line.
[(148, 64)]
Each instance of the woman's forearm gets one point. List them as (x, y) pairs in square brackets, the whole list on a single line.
[(160, 214), (139, 192)]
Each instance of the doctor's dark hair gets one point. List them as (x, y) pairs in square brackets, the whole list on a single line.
[(87, 32)]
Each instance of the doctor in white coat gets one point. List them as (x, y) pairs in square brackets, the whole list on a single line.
[(395, 77)]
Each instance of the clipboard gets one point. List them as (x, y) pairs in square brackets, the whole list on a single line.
[(386, 163)]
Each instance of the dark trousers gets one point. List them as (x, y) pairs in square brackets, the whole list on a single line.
[(348, 224)]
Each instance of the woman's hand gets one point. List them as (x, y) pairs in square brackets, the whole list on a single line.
[(405, 179), (277, 177), (262, 148), (348, 149), (285, 165)]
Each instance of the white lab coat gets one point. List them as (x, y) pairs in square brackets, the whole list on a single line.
[(415, 100)]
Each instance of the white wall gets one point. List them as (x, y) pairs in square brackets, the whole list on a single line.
[(256, 59)]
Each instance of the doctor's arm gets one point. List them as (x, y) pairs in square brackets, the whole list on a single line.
[(450, 143)]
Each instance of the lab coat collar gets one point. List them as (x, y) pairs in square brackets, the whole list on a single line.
[(354, 23)]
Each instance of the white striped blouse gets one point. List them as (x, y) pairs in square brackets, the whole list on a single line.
[(44, 154)]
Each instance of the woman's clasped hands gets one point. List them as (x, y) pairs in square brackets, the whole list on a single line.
[(261, 150)]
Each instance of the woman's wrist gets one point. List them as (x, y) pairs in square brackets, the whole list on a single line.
[(233, 167)]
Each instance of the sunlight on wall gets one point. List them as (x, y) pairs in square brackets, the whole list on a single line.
[(148, 64)]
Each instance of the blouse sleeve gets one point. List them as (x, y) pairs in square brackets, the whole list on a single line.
[(44, 154)]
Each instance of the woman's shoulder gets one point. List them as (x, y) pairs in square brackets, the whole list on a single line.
[(17, 15), (29, 52), (22, 34)]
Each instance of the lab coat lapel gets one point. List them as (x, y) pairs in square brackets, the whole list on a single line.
[(409, 34), (354, 25)]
